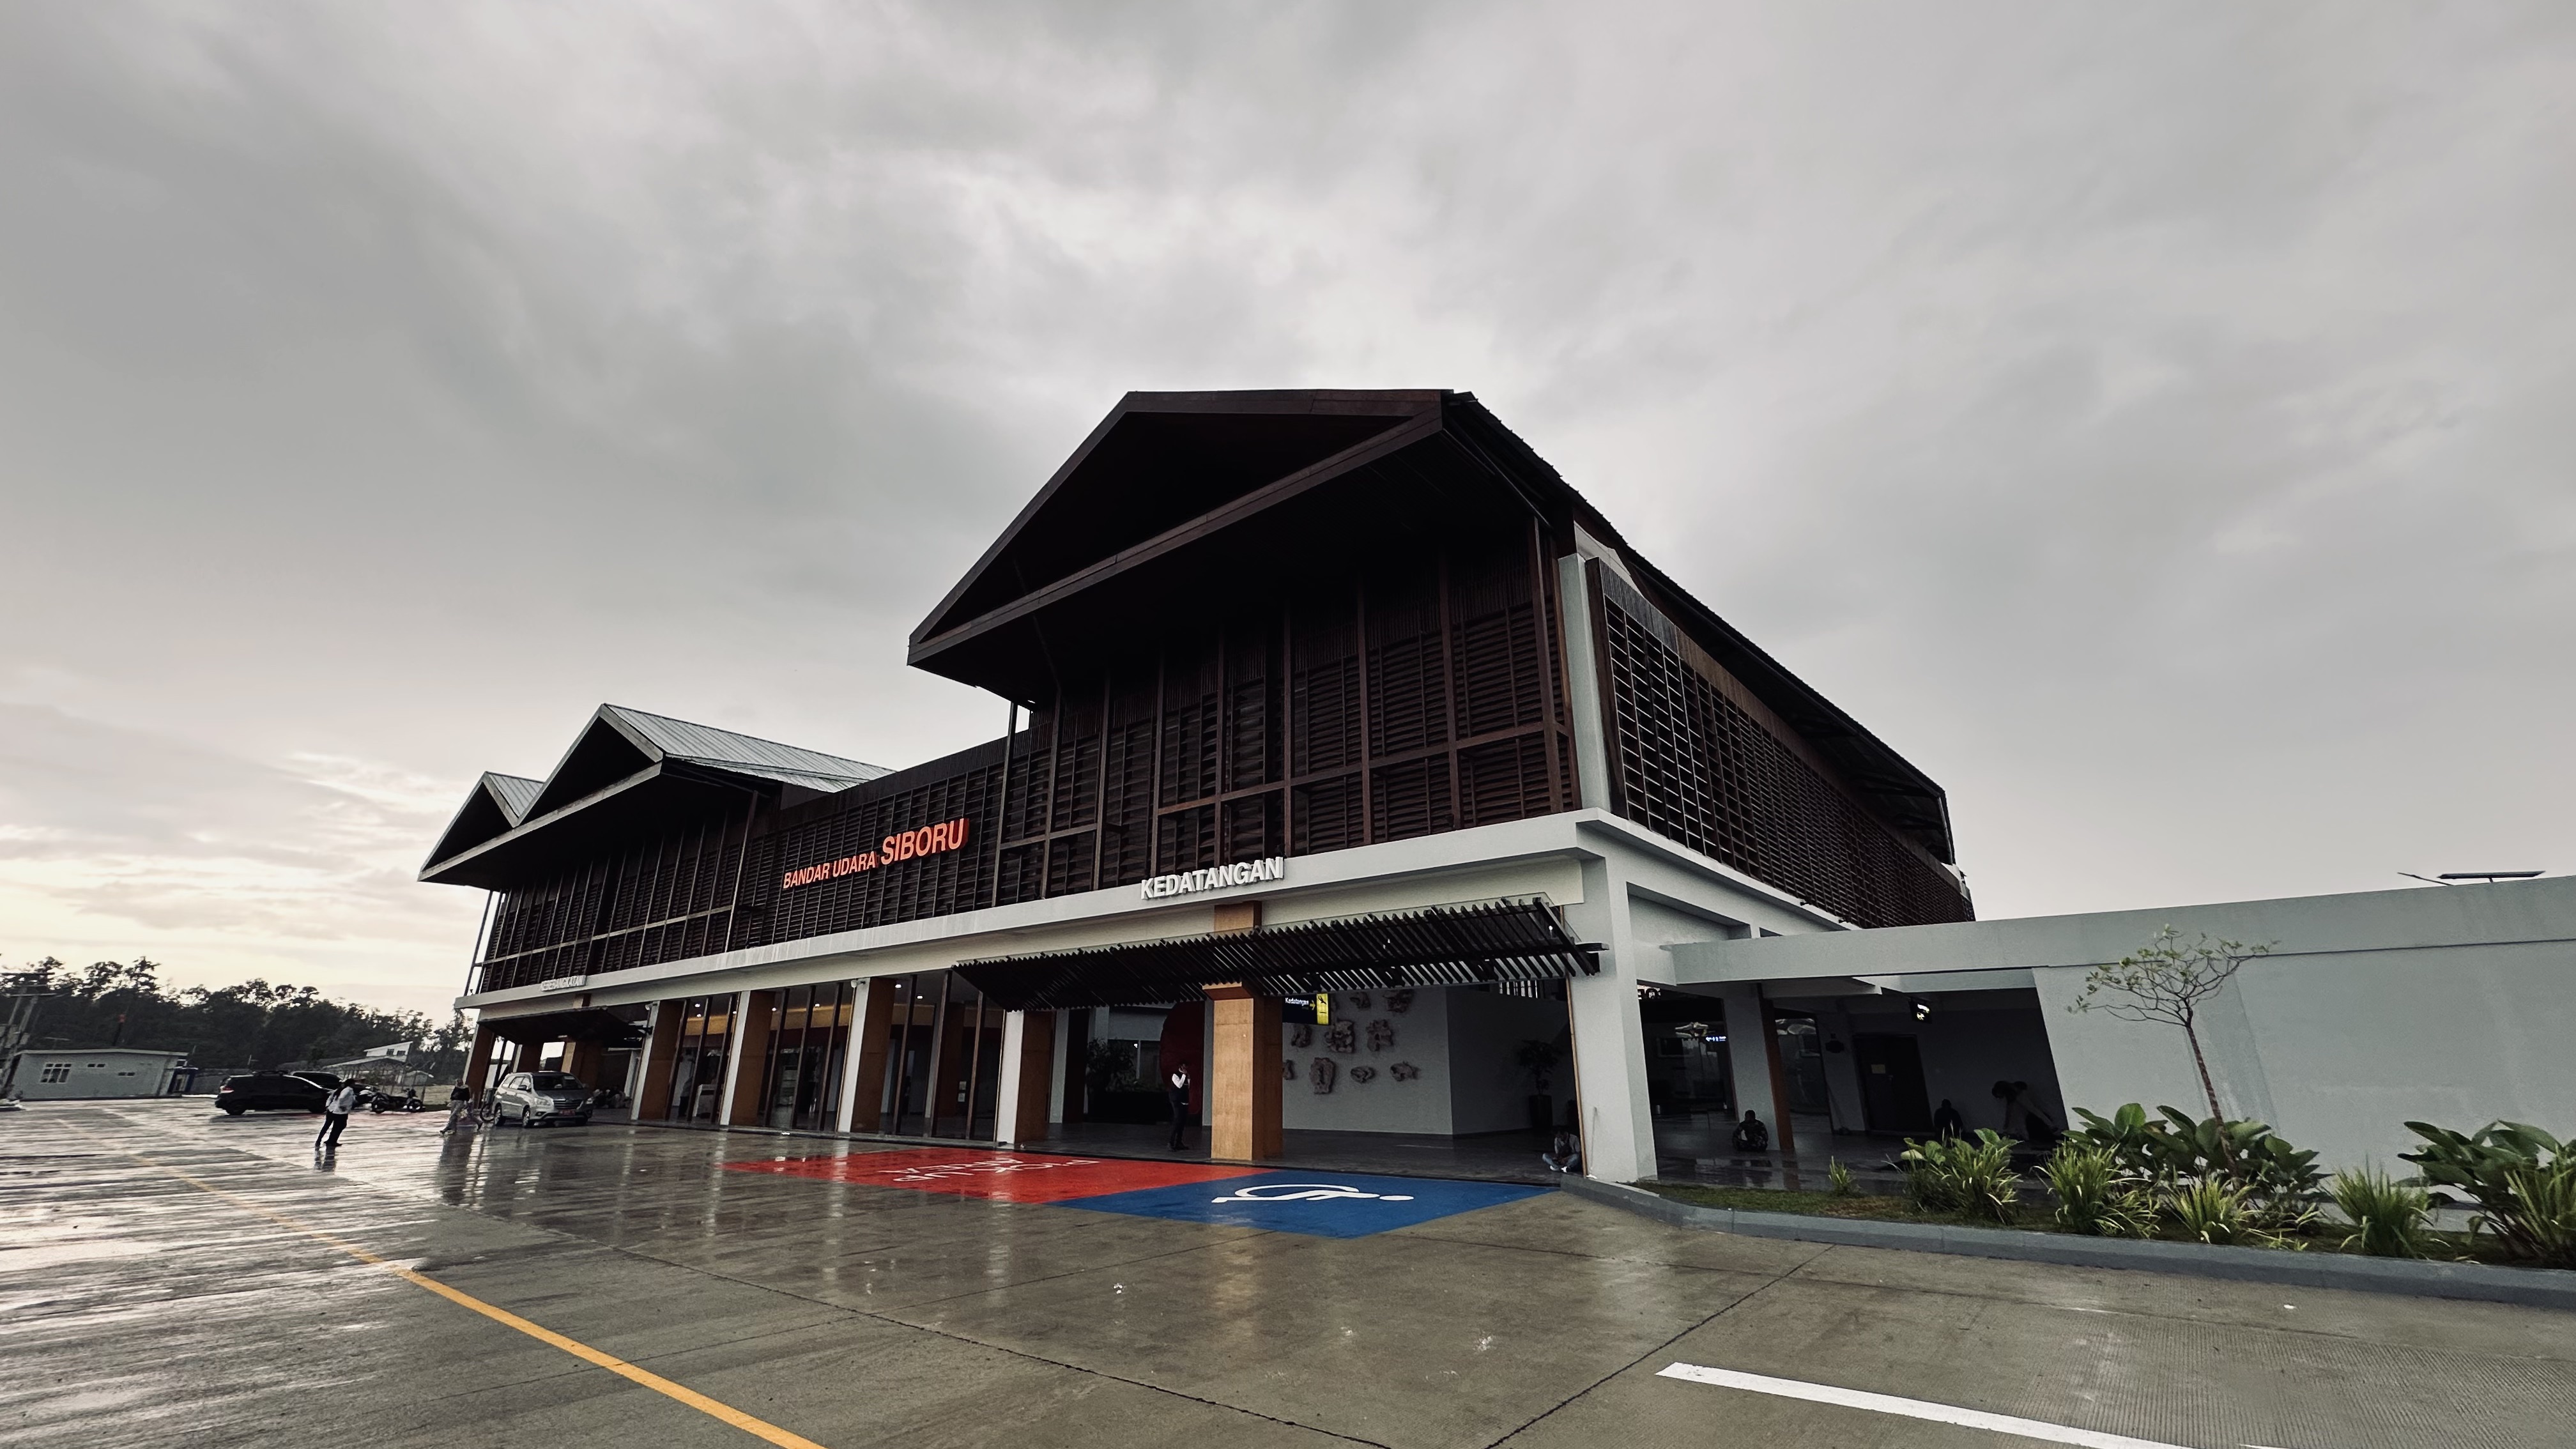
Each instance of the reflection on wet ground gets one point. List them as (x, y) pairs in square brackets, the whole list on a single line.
[(143, 1309)]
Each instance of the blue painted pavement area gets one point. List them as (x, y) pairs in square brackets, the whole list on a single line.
[(1317, 1204)]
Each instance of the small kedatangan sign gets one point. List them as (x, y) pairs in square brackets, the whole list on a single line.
[(1217, 877)]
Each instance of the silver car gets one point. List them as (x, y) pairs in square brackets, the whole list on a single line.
[(531, 1098)]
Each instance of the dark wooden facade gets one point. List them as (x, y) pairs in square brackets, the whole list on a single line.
[(1375, 656)]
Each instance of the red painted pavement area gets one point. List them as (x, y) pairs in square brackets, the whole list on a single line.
[(1000, 1176)]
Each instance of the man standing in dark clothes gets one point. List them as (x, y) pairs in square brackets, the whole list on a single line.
[(1179, 1094)]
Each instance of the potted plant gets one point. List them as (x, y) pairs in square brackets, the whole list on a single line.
[(1538, 1059)]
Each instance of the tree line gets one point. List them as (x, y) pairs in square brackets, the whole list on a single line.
[(253, 1024)]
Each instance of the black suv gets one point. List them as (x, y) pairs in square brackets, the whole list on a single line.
[(268, 1092)]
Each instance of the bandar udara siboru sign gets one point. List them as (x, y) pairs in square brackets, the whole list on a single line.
[(937, 839), (950, 835)]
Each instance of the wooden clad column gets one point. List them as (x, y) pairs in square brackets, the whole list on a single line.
[(1244, 1121), (661, 1052), (1244, 1099), (582, 1061), (478, 1059), (751, 1070), (1781, 1131)]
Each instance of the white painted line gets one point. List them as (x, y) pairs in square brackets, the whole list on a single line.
[(1909, 1408)]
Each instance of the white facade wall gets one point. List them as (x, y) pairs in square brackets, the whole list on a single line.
[(2349, 1047), (1381, 1104), (2453, 1006)]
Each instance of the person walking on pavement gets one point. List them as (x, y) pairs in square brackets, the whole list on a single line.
[(1179, 1093), (460, 1109), (335, 1116)]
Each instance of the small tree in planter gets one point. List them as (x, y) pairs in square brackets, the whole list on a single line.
[(2168, 982)]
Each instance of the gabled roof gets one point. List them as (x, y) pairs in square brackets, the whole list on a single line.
[(496, 803), (1142, 519), (620, 742), (619, 749), (515, 792), (1158, 461)]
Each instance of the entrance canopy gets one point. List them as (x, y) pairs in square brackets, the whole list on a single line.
[(1515, 939), (591, 1024)]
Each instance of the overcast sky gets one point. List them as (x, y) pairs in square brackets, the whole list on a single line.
[(2158, 422)]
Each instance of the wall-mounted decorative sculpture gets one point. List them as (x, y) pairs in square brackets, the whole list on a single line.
[(1302, 1034), (1291, 1064), (1400, 1002), (1321, 1075), (1404, 1071), (1343, 1037), (1381, 1035), (1363, 1074)]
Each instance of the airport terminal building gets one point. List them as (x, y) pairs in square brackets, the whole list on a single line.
[(1353, 758)]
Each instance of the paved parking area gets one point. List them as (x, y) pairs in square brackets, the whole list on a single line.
[(169, 1276)]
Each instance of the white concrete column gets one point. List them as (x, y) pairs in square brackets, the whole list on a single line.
[(1610, 1036), (1063, 1054), (851, 1052), (733, 1056), (1583, 680), (1006, 1093), (1748, 1055)]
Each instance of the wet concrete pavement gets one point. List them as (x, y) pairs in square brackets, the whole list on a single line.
[(144, 1309)]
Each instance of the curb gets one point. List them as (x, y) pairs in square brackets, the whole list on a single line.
[(2478, 1282)]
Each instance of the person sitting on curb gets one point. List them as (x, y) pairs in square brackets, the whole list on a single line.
[(1751, 1135), (1564, 1154)]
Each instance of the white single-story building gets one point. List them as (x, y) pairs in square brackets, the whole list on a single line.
[(96, 1072)]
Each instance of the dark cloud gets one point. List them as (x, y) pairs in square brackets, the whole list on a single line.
[(2149, 421)]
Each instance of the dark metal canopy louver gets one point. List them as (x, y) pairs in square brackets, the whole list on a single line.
[(583, 1024), (1515, 939)]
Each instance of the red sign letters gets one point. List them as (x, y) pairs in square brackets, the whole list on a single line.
[(928, 840)]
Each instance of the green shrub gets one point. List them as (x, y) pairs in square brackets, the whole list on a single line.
[(2522, 1179), (2127, 1136), (2274, 1180), (2213, 1210), (1971, 1175), (2548, 1202), (2084, 1179), (1838, 1178), (2388, 1219)]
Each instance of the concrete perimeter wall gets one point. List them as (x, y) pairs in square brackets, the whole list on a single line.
[(2454, 1006), (2339, 1051)]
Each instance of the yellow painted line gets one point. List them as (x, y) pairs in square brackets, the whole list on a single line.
[(712, 1408)]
